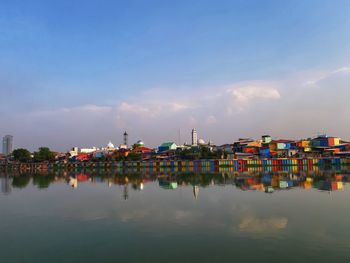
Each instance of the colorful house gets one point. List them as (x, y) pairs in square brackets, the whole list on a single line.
[(266, 139), (282, 148), (304, 145), (325, 141), (280, 145), (167, 146)]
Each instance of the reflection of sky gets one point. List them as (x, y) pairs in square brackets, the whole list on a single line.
[(222, 214)]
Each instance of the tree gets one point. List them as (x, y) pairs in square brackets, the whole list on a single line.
[(21, 155), (44, 154), (134, 156)]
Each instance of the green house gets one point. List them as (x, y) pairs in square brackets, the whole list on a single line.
[(167, 146)]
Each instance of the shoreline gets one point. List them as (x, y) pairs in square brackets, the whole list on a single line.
[(195, 165)]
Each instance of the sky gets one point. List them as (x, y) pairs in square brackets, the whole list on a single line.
[(80, 73)]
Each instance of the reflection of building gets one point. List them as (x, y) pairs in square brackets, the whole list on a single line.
[(5, 184), (73, 182), (126, 192), (195, 191), (7, 144), (166, 184)]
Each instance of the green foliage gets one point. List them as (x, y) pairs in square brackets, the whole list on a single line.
[(44, 154), (201, 152), (21, 155), (188, 154)]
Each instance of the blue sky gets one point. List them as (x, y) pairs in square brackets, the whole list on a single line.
[(132, 57)]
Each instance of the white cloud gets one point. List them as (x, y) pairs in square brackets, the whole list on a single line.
[(244, 95), (342, 70), (151, 109), (327, 75), (249, 93), (135, 109), (89, 108), (220, 113)]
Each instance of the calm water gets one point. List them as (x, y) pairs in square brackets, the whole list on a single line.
[(175, 217)]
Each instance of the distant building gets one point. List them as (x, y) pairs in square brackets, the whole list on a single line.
[(266, 139), (110, 146), (167, 146), (139, 143), (125, 135), (7, 145), (201, 142), (74, 151), (325, 141), (123, 146), (194, 137), (88, 150)]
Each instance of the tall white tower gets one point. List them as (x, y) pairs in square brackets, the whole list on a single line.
[(194, 137)]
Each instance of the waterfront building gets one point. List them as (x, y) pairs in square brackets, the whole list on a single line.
[(123, 146), (88, 150), (266, 139), (7, 144), (74, 151), (325, 141), (201, 142), (138, 144), (143, 151), (110, 146), (167, 146), (194, 137)]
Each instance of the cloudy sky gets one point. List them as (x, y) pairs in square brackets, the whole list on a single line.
[(79, 73)]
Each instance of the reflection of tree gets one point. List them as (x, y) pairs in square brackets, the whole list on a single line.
[(43, 180), (20, 181)]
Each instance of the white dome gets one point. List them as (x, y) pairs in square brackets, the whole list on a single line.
[(139, 142), (110, 145), (201, 141)]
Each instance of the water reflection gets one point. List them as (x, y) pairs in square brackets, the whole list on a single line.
[(250, 224), (268, 182), (232, 214), (5, 184)]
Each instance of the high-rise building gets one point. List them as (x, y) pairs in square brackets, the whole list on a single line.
[(7, 144), (194, 137)]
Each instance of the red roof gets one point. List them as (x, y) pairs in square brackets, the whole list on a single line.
[(142, 149)]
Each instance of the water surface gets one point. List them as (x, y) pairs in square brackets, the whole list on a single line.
[(100, 217)]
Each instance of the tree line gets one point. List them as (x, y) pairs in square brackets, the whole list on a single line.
[(23, 155)]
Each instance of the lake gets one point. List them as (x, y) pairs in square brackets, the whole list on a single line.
[(175, 217)]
